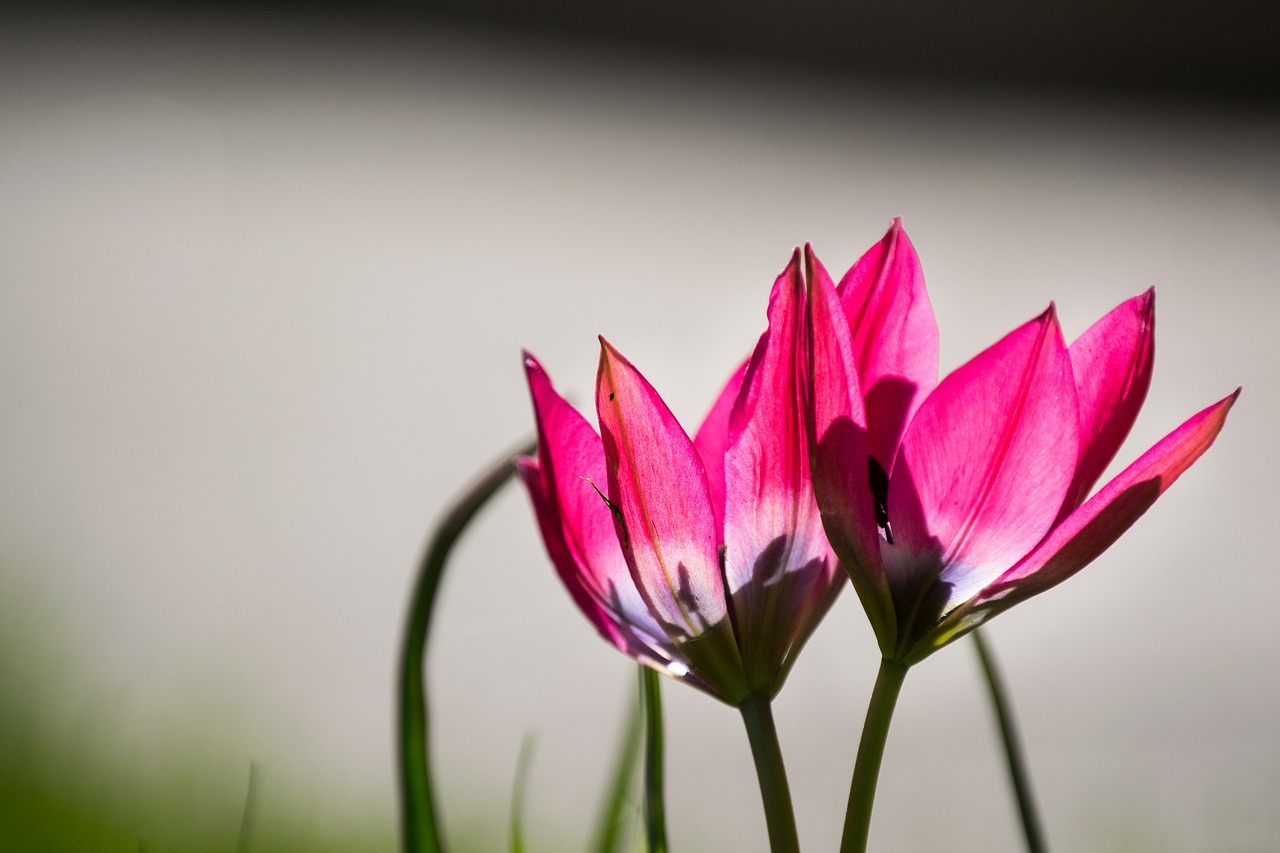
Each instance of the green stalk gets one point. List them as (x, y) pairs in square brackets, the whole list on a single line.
[(655, 816), (866, 771), (518, 791), (757, 715), (250, 816), (1014, 757), (420, 828), (609, 837)]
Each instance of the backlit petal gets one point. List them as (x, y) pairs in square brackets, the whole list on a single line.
[(1093, 527), (778, 564), (986, 462), (663, 508), (838, 451), (571, 465), (712, 441), (1112, 365), (895, 337), (608, 621)]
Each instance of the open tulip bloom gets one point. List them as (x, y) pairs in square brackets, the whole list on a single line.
[(981, 503), (707, 558), (704, 558), (950, 504)]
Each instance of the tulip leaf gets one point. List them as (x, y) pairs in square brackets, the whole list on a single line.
[(249, 818), (518, 792), (1015, 759), (609, 835), (420, 825)]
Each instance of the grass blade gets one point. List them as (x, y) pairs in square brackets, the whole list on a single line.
[(420, 828)]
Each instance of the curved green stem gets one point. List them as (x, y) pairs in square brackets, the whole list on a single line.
[(757, 715), (420, 829), (866, 771), (1014, 757), (655, 814)]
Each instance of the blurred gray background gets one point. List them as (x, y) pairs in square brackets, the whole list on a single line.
[(264, 282)]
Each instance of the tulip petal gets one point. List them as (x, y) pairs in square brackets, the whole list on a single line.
[(986, 462), (895, 337), (838, 452), (576, 522), (1112, 365), (712, 441), (1093, 527), (778, 565), (658, 489), (607, 620)]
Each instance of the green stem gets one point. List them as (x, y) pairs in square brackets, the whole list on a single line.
[(655, 816), (1014, 757), (757, 715), (250, 816), (875, 731), (420, 829), (609, 836), (518, 791)]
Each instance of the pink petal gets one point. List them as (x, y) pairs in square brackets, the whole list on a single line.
[(895, 337), (607, 620), (1112, 365), (838, 451), (712, 441), (987, 460), (1093, 527), (571, 467), (778, 565), (663, 507)]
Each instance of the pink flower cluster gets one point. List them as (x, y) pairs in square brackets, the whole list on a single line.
[(835, 451)]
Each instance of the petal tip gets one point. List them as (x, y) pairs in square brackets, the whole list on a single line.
[(607, 350), (1147, 307), (533, 370)]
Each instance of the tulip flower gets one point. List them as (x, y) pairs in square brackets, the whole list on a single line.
[(984, 501), (703, 557)]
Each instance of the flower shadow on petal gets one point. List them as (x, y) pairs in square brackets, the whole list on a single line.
[(888, 404), (788, 602)]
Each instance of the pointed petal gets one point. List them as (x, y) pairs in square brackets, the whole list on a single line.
[(658, 488), (987, 460), (779, 568), (895, 337), (838, 452), (1093, 527), (712, 441), (576, 523), (1112, 365)]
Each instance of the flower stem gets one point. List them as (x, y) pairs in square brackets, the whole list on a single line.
[(862, 790), (609, 836), (420, 829), (1013, 754), (757, 715), (655, 814)]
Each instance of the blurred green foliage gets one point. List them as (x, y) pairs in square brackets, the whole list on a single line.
[(75, 775)]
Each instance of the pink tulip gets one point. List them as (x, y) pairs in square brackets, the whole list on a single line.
[(704, 558), (980, 502)]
